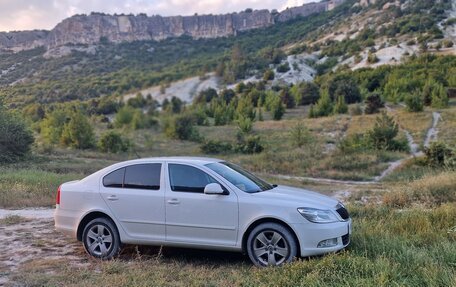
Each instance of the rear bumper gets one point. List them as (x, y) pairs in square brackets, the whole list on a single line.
[(66, 221), (310, 234)]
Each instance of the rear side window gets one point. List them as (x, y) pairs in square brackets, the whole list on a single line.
[(143, 176), (140, 176), (114, 179), (188, 179)]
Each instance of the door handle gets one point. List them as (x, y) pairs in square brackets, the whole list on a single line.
[(174, 201), (113, 198)]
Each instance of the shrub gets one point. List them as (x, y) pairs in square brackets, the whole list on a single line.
[(78, 132), (439, 97), (305, 93), (249, 145), (112, 142), (124, 116), (276, 107), (206, 96), (268, 75), (181, 127), (383, 133), (52, 126), (356, 110), (340, 107), (438, 154), (287, 99), (15, 138), (373, 104), (346, 86), (372, 58), (414, 103), (283, 68), (245, 108), (245, 124), (300, 135), (216, 147), (324, 106)]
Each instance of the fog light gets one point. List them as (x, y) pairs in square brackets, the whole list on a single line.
[(327, 243)]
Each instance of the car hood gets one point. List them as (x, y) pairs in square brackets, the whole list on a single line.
[(300, 197)]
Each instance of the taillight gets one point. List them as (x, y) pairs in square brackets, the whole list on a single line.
[(57, 198)]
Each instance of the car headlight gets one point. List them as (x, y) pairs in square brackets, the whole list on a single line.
[(318, 215)]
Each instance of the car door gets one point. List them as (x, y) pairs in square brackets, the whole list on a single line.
[(194, 217), (135, 195)]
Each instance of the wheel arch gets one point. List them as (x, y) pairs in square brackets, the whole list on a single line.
[(89, 217), (268, 220)]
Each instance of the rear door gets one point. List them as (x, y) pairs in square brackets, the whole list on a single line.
[(194, 217), (135, 195)]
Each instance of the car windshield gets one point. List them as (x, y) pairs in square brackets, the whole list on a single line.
[(239, 177)]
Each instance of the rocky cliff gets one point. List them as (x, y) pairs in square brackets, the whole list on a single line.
[(90, 29)]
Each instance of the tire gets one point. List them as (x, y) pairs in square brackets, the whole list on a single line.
[(101, 239), (271, 244)]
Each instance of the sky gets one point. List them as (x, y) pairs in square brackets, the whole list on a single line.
[(45, 14)]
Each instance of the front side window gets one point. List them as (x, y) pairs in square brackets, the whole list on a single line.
[(143, 176), (239, 177), (187, 178)]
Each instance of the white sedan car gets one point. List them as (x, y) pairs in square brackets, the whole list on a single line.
[(198, 203)]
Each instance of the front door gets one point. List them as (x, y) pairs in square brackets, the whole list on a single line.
[(194, 217)]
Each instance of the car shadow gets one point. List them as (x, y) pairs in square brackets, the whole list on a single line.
[(185, 255)]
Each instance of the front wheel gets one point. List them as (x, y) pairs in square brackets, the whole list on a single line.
[(271, 244), (101, 238)]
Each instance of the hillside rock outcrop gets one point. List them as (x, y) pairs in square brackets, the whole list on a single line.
[(96, 27)]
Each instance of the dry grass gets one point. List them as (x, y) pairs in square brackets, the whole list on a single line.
[(430, 190)]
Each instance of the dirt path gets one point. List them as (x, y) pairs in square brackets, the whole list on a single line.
[(30, 236)]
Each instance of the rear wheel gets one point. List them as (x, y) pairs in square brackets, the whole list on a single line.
[(271, 244), (101, 238)]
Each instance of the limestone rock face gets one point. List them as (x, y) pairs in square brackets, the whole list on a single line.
[(96, 27), (23, 40)]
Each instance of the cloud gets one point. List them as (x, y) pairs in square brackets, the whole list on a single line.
[(45, 14)]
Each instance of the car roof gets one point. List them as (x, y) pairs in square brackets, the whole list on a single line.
[(180, 159)]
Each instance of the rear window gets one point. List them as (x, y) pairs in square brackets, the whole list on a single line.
[(140, 176), (114, 179), (143, 176)]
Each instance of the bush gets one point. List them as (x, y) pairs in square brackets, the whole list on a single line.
[(283, 68), (438, 154), (323, 108), (372, 58), (275, 105), (373, 104), (113, 142), (414, 103), (439, 97), (305, 93), (383, 133), (300, 135), (124, 116), (249, 145), (216, 147), (268, 75), (356, 110), (346, 86), (340, 107), (181, 127), (15, 138), (78, 132), (52, 126), (245, 124)]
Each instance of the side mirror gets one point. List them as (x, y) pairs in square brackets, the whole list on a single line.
[(214, 188)]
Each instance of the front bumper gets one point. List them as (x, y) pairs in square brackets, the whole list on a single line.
[(310, 234)]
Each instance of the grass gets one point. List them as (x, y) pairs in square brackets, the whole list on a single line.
[(390, 247), (12, 220), (30, 187)]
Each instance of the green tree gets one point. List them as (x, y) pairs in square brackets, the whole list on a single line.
[(340, 107), (245, 108), (414, 103), (78, 132), (345, 86), (15, 137), (373, 104), (52, 126), (324, 106), (112, 142), (439, 97), (384, 131)]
